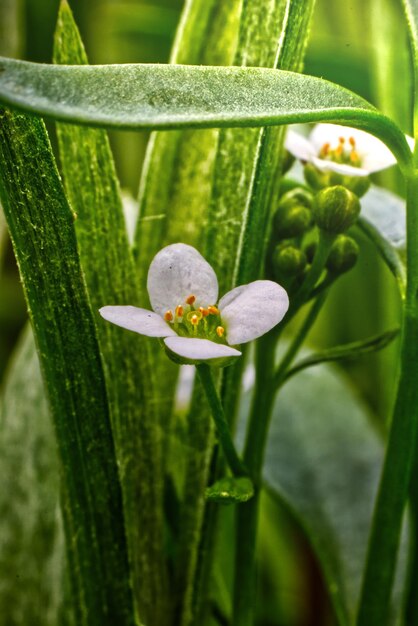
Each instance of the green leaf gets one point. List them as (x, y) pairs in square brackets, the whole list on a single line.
[(175, 96), (107, 262), (41, 226), (323, 461), (32, 550), (383, 220), (348, 351), (230, 490)]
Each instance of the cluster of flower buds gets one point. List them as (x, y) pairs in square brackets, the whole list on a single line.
[(337, 162)]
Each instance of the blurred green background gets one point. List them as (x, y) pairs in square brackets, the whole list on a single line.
[(360, 44)]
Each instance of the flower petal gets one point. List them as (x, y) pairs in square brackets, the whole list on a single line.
[(139, 320), (373, 153), (252, 310), (298, 145), (176, 272), (195, 350), (340, 168)]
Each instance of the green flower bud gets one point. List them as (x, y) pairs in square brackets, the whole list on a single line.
[(291, 221), (357, 184), (315, 178), (297, 196), (343, 255), (288, 262), (336, 209)]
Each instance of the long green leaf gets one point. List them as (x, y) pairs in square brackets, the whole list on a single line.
[(41, 226), (175, 96), (106, 259), (32, 549)]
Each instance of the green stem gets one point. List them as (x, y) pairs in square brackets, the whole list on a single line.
[(221, 423), (299, 339), (247, 514), (398, 464), (325, 242), (267, 382)]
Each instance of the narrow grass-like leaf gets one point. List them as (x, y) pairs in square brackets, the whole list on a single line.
[(323, 461), (341, 353), (32, 550), (106, 259), (383, 220), (174, 194), (176, 96), (41, 226)]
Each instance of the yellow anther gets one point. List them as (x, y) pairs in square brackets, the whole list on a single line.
[(194, 320), (213, 310), (191, 299), (352, 142), (168, 316), (194, 317), (179, 311), (325, 149), (341, 140), (203, 311), (220, 331)]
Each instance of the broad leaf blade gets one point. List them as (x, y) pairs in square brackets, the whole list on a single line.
[(324, 460), (106, 259), (41, 226), (176, 96), (32, 550)]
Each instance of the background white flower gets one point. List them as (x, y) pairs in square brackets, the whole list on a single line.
[(183, 291), (341, 149)]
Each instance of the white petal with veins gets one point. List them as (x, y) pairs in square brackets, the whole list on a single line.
[(199, 349), (139, 320), (176, 272), (250, 311)]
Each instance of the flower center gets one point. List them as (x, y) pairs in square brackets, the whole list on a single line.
[(199, 322), (345, 152)]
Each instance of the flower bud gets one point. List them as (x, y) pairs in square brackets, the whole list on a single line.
[(288, 262), (357, 184), (336, 209), (291, 221), (296, 196), (343, 255), (315, 177)]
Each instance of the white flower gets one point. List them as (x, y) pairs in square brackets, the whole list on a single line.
[(183, 291), (341, 149)]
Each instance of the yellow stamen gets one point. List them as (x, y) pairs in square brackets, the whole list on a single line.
[(194, 320), (220, 330), (168, 316), (325, 149), (339, 150), (354, 157), (203, 311), (179, 311), (341, 140), (213, 310), (191, 299), (352, 142)]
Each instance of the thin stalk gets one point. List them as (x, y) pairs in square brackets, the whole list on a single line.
[(325, 242), (222, 426), (267, 382), (398, 464), (293, 349)]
